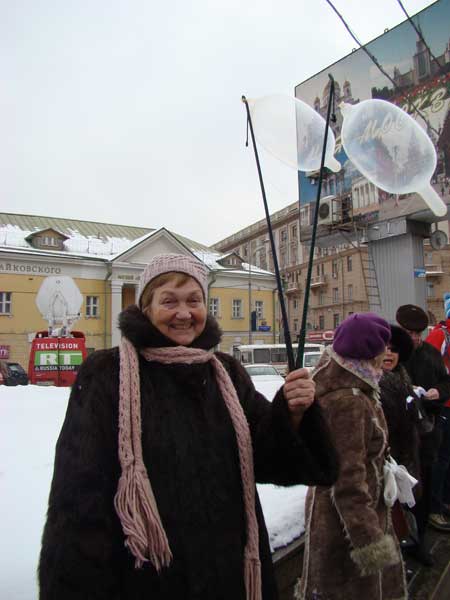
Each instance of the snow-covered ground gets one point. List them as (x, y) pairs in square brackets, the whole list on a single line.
[(30, 421)]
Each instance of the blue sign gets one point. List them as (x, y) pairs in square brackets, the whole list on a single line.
[(419, 273), (264, 328)]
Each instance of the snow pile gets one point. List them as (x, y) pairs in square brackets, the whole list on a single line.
[(12, 235), (30, 421)]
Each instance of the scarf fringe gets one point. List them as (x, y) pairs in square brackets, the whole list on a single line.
[(140, 519), (252, 576)]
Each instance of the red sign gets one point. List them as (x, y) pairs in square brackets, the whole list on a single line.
[(4, 351), (55, 361), (321, 336)]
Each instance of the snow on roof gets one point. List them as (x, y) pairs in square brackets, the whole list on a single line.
[(211, 259), (13, 237)]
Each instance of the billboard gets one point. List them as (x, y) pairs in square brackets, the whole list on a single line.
[(421, 81)]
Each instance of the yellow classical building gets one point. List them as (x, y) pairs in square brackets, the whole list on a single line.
[(106, 261)]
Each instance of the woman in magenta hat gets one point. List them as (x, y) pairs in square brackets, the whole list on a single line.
[(351, 551), (153, 494)]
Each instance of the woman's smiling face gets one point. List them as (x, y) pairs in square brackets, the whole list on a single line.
[(178, 311)]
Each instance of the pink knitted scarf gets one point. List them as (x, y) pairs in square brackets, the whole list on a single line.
[(135, 502)]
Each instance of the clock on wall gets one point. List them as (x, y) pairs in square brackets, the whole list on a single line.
[(438, 239)]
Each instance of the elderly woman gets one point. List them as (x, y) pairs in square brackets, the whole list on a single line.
[(153, 494), (351, 551)]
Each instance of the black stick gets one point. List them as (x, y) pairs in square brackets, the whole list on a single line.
[(302, 336), (287, 335)]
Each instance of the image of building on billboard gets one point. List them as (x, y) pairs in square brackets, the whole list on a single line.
[(421, 72)]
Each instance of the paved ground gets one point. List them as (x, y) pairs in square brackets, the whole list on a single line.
[(432, 583)]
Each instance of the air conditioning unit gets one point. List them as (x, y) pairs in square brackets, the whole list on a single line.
[(326, 210)]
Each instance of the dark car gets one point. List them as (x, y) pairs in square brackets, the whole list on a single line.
[(13, 374)]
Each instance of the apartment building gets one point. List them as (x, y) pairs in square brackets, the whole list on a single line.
[(343, 275)]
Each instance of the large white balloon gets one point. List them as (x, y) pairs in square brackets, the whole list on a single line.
[(389, 148), (292, 131)]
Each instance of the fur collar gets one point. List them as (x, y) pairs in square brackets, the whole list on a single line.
[(330, 376), (135, 326)]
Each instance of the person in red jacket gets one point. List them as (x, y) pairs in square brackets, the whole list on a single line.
[(439, 518)]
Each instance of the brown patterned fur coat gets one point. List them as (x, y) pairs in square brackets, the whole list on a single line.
[(351, 551)]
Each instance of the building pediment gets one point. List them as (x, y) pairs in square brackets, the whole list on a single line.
[(159, 242)]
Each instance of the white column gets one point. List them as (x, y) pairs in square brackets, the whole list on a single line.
[(136, 293), (116, 308)]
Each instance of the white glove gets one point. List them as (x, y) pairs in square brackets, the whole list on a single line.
[(398, 484)]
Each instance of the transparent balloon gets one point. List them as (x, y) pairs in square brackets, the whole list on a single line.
[(293, 132), (391, 150)]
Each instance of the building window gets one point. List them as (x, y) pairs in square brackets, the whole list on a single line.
[(430, 290), (335, 294), (295, 303), (237, 309), (92, 306), (259, 307), (321, 322), (214, 307), (334, 269), (294, 232), (5, 303), (321, 298), (295, 325), (283, 236), (294, 255), (350, 292), (349, 264), (335, 320)]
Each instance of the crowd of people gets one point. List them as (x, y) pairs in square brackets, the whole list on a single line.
[(385, 393), (153, 493)]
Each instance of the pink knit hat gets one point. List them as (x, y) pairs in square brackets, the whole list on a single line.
[(179, 263)]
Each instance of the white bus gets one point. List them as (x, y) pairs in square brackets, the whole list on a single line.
[(270, 354)]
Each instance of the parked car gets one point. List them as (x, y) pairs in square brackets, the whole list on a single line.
[(13, 374), (266, 379), (310, 360)]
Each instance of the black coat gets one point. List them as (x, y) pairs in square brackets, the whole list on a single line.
[(190, 451), (402, 419), (426, 369)]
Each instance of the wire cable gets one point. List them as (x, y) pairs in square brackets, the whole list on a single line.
[(380, 68)]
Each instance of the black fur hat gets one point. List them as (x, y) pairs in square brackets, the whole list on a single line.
[(401, 342), (412, 317)]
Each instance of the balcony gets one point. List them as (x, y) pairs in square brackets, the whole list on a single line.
[(433, 271), (292, 287), (318, 281)]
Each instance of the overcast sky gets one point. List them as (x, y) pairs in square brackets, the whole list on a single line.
[(129, 111)]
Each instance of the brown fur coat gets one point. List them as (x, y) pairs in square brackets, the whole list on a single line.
[(351, 551)]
